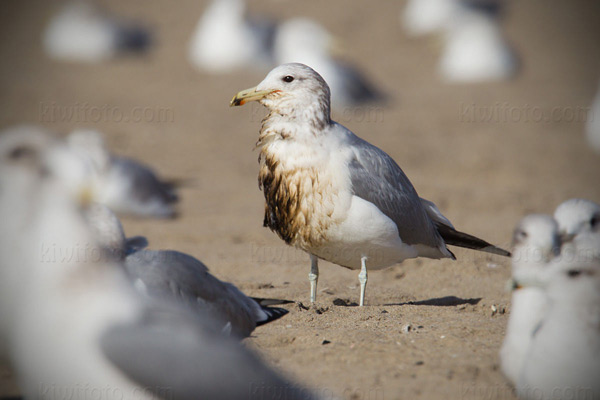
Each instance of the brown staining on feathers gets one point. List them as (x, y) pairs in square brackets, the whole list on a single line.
[(287, 203), (291, 195), (282, 205)]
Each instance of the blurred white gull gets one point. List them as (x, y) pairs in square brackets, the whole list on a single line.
[(77, 327), (334, 195), (226, 39), (180, 277), (564, 356), (475, 49), (592, 126), (82, 32), (123, 184), (535, 243), (302, 40), (422, 17), (579, 220), (20, 147)]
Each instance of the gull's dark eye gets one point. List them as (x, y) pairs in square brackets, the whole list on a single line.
[(287, 78), (21, 152), (595, 221), (520, 235), (573, 273)]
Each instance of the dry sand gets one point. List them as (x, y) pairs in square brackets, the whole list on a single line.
[(484, 174)]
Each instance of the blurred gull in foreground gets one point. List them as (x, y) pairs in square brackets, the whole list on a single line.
[(81, 31), (301, 40), (334, 195), (122, 184), (179, 277), (564, 357), (225, 39), (535, 243), (77, 325)]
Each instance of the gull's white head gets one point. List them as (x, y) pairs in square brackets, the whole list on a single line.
[(579, 220), (294, 91), (22, 150), (90, 145), (575, 216), (536, 243), (535, 240)]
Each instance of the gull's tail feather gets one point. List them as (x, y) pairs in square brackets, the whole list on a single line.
[(270, 302), (272, 313), (265, 313), (456, 238)]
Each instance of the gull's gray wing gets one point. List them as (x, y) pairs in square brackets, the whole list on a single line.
[(377, 178), (456, 238), (146, 187), (178, 276), (179, 356), (356, 88)]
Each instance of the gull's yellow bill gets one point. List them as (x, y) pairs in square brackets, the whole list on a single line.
[(249, 95)]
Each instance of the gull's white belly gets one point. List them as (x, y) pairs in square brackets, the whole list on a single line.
[(364, 232)]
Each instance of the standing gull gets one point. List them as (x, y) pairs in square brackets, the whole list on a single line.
[(179, 277), (535, 243), (334, 195)]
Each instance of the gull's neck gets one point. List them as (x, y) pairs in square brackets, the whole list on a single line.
[(286, 121)]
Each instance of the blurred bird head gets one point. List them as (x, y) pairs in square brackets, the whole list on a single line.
[(31, 157), (576, 216), (304, 40), (536, 243), (579, 222), (536, 239)]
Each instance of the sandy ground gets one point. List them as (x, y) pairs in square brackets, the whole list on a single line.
[(484, 174)]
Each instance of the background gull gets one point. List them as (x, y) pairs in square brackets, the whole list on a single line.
[(305, 41), (475, 49), (81, 31), (421, 17), (123, 184), (535, 243), (334, 195), (77, 325), (592, 123), (226, 39), (179, 277)]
